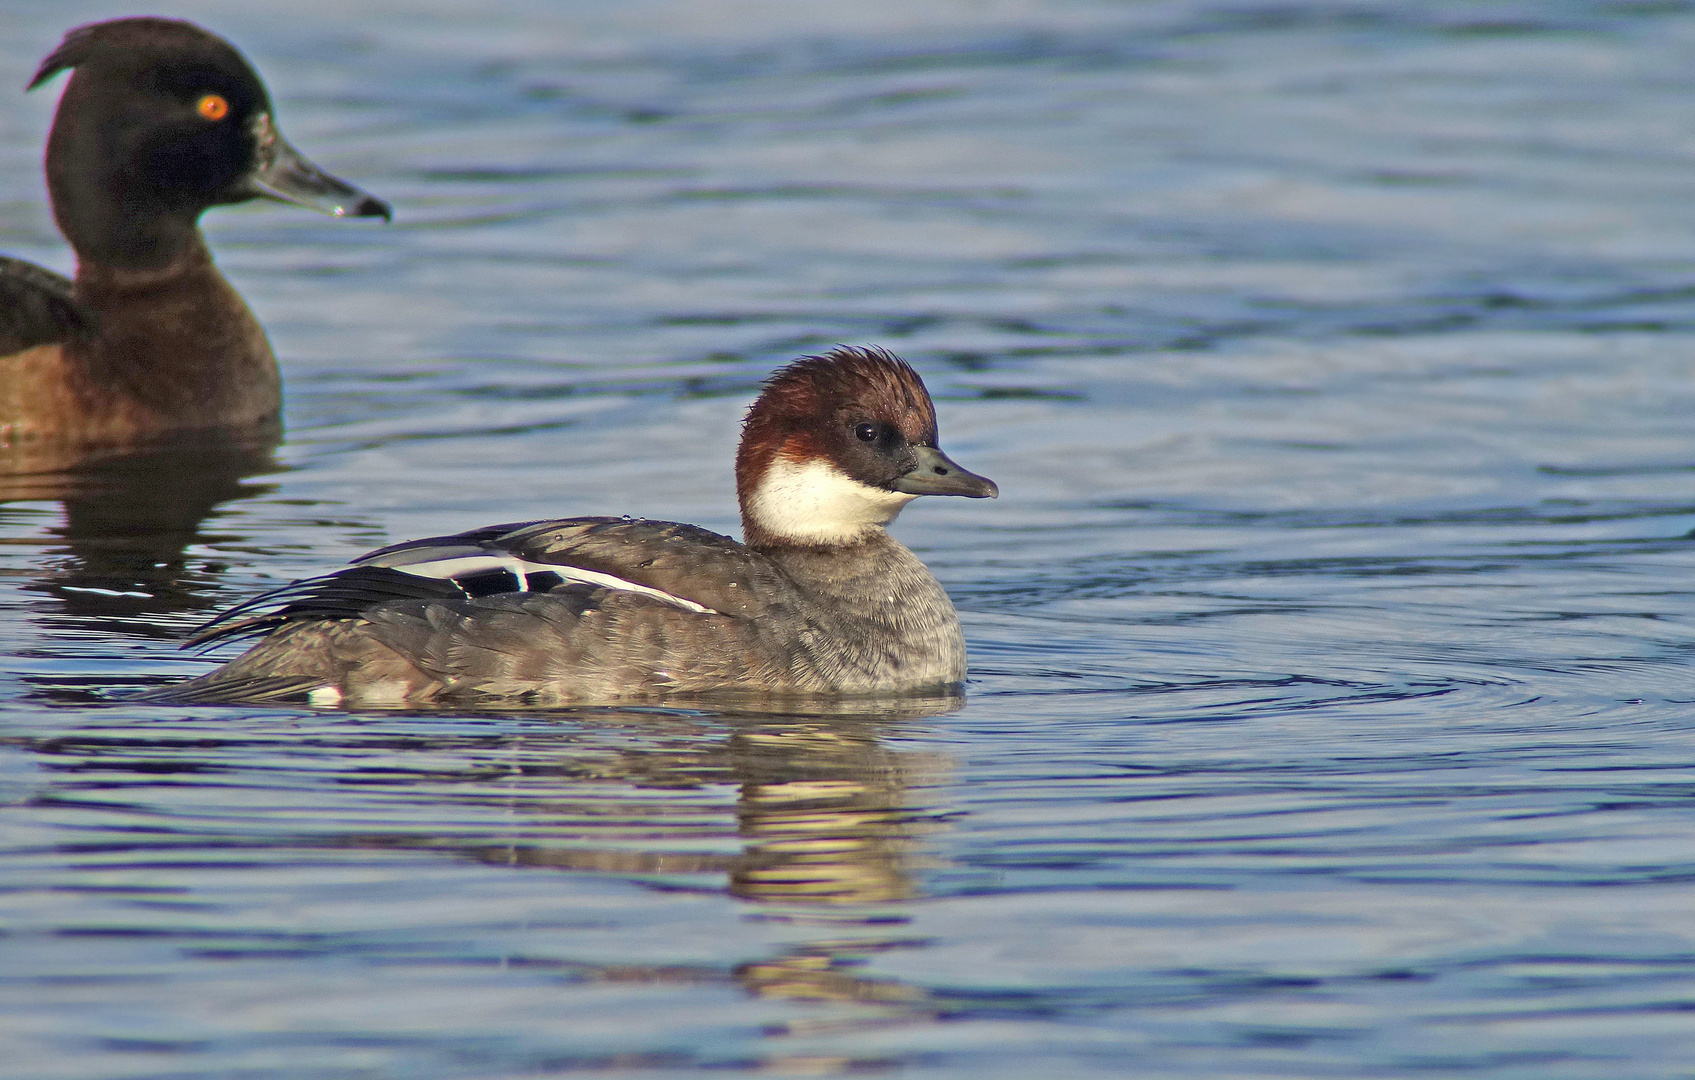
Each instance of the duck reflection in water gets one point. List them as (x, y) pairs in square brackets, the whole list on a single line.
[(827, 814), (814, 823), (833, 838), (129, 518)]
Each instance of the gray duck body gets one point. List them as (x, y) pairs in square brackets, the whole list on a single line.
[(867, 618)]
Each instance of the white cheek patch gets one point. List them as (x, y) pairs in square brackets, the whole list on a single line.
[(536, 576), (815, 502)]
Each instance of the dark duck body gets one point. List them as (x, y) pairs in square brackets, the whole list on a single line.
[(159, 121), (819, 600)]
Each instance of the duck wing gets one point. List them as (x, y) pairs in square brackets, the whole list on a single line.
[(38, 307), (683, 562), (576, 609), (682, 566)]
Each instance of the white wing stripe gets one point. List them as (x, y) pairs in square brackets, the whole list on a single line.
[(593, 577), (470, 564)]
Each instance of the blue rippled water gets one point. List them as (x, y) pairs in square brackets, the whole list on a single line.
[(1331, 709)]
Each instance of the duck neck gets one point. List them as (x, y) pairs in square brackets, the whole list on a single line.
[(190, 261)]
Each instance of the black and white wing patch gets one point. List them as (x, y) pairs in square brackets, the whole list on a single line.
[(466, 566)]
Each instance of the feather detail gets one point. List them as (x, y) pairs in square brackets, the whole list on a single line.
[(466, 566)]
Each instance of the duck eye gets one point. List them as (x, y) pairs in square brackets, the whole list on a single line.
[(866, 432), (212, 107)]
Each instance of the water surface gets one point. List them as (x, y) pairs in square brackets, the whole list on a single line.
[(1330, 708)]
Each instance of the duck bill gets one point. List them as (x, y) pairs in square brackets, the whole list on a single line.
[(936, 474), (284, 174)]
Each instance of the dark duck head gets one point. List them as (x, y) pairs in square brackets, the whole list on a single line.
[(161, 120)]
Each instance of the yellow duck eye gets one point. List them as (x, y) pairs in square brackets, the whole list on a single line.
[(212, 107)]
